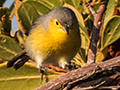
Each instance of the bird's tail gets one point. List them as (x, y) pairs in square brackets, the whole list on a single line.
[(18, 60)]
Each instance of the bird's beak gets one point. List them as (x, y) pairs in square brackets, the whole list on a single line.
[(65, 29)]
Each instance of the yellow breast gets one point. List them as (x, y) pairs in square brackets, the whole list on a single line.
[(52, 44)]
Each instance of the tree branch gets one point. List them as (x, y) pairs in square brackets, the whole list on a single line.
[(84, 74), (96, 29)]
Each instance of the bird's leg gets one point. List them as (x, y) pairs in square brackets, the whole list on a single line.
[(43, 71)]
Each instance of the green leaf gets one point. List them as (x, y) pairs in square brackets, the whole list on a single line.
[(8, 47), (85, 40), (25, 78), (111, 31), (110, 10), (101, 54), (29, 10), (1, 28), (78, 4), (79, 60), (75, 3), (51, 3), (5, 20)]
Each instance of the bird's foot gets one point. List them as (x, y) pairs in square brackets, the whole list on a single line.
[(70, 66)]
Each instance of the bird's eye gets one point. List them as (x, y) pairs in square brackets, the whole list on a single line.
[(56, 22)]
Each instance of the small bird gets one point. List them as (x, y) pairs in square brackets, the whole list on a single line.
[(54, 38)]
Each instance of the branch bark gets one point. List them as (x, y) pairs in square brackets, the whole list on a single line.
[(88, 73), (96, 29)]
